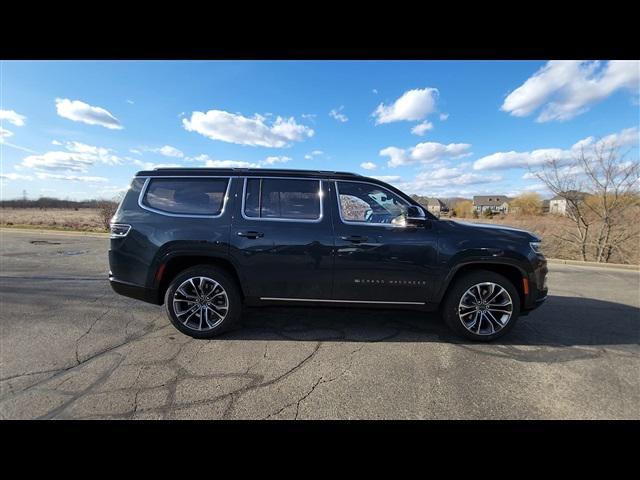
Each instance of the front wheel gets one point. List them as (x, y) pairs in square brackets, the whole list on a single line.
[(481, 306), (203, 302)]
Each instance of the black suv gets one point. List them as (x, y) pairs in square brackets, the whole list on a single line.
[(206, 241)]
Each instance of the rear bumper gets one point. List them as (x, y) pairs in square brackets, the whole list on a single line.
[(135, 291)]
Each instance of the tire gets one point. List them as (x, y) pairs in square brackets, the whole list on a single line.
[(476, 324), (207, 309)]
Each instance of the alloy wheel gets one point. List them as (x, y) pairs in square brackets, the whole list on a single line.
[(485, 308), (200, 303)]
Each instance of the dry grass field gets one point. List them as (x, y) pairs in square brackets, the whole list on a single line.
[(549, 227), (82, 219)]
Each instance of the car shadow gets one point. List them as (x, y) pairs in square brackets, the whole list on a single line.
[(561, 321)]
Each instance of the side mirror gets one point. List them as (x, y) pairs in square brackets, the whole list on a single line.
[(416, 216)]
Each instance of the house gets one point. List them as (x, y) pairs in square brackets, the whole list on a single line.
[(560, 204), (545, 206), (436, 206), (495, 203)]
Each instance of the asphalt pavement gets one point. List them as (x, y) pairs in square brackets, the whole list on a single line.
[(71, 348)]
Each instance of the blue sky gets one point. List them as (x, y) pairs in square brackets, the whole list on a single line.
[(82, 129)]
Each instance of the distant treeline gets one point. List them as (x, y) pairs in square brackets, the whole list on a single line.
[(47, 202)]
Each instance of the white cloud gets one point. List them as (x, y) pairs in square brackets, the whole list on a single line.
[(387, 178), (214, 163), (235, 128), (412, 105), (565, 89), (430, 182), (312, 154), (130, 102), (100, 154), (71, 178), (112, 190), (421, 128), (79, 111), (152, 166), (13, 118), (78, 158), (230, 164), (15, 176), (513, 159), (443, 116), (337, 114), (427, 152), (4, 133), (76, 162), (368, 165), (168, 151), (275, 160)]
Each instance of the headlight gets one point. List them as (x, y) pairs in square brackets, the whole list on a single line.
[(535, 246), (119, 230)]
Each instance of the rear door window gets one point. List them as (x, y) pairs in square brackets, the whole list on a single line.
[(186, 196), (287, 199)]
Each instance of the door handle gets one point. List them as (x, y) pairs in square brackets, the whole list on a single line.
[(251, 234), (354, 238)]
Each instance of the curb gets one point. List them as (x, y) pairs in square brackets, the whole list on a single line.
[(580, 263)]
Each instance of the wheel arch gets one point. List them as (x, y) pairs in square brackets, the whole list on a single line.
[(173, 264), (514, 273)]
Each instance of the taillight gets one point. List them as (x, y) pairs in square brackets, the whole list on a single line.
[(119, 230)]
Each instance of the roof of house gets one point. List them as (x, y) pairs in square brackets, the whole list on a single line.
[(435, 202), (491, 200), (571, 194)]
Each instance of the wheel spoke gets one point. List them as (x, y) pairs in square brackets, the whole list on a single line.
[(189, 317), (188, 310), (502, 304), (216, 295), (184, 300), (479, 322), (206, 317), (214, 311), (185, 294), (494, 319), (479, 292), (492, 297)]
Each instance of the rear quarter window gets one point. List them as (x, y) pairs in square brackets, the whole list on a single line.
[(186, 196)]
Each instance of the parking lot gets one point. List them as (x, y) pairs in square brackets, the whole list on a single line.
[(71, 348)]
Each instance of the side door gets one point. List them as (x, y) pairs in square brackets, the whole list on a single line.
[(282, 238), (378, 258)]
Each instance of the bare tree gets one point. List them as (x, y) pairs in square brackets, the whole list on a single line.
[(107, 209), (600, 188)]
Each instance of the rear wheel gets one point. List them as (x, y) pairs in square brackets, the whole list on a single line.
[(203, 302), (481, 306)]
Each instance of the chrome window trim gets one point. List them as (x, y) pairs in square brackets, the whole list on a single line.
[(365, 224), (300, 220), (143, 191), (338, 301)]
